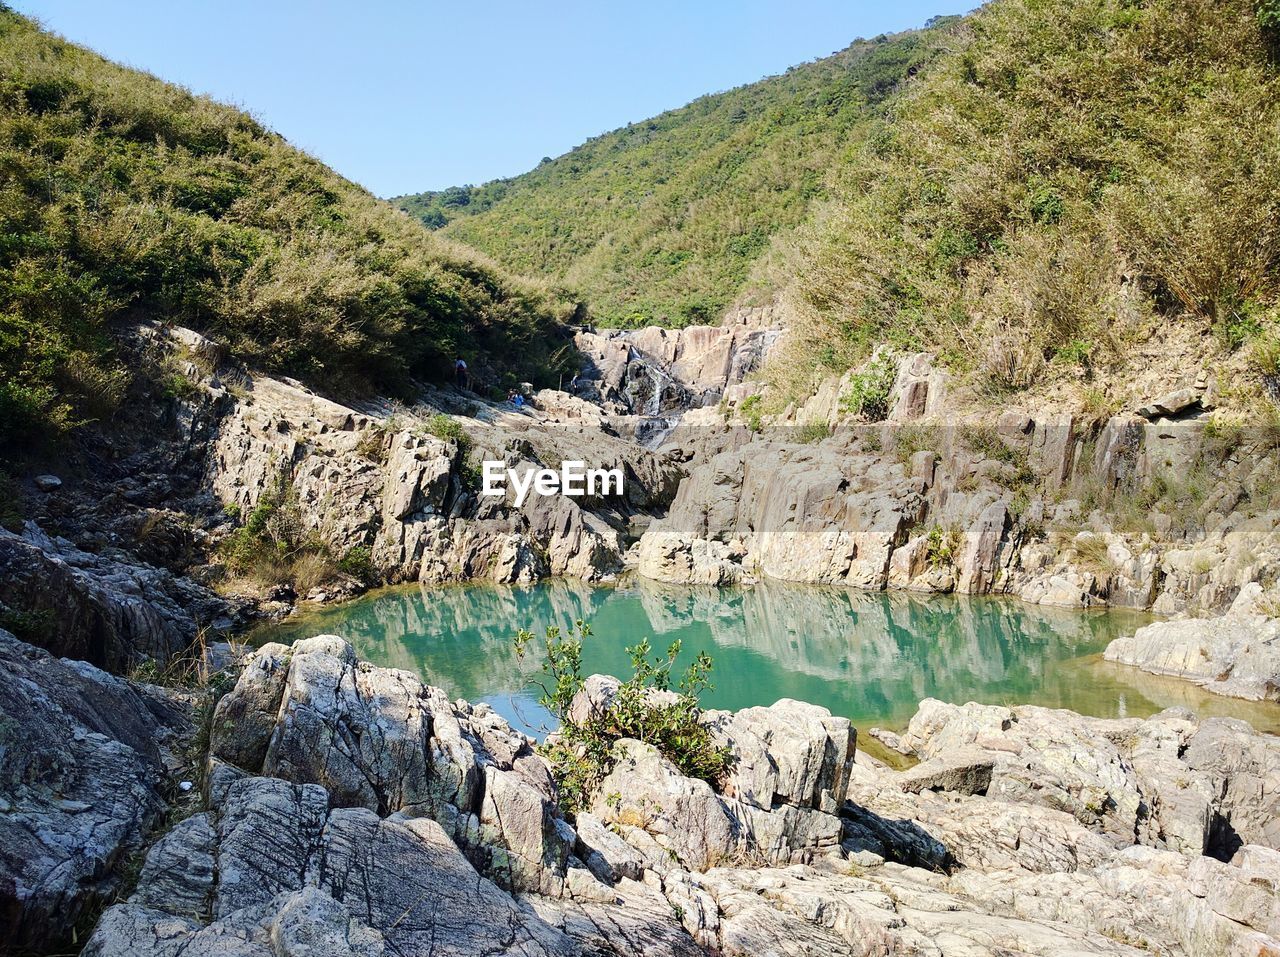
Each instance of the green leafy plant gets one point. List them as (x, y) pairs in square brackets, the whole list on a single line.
[(908, 439), (812, 432), (749, 409), (34, 626), (358, 563), (646, 707), (271, 546), (868, 393), (942, 547), (1269, 18), (449, 429)]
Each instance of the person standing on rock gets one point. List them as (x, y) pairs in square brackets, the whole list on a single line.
[(460, 372)]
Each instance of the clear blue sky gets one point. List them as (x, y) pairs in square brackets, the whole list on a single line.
[(403, 96)]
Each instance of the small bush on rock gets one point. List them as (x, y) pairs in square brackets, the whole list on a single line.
[(645, 708), (868, 393), (449, 429), (750, 410), (943, 546), (271, 547)]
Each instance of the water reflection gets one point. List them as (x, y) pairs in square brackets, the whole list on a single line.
[(868, 655)]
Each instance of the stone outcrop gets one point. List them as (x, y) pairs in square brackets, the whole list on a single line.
[(382, 481), (293, 875), (83, 757), (106, 608), (1131, 512), (380, 739), (1196, 787), (657, 371), (1234, 654)]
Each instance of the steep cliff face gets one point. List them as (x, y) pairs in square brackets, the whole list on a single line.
[(380, 480), (1152, 509), (656, 371)]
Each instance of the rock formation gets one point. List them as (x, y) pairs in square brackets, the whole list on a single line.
[(354, 810), (84, 758), (1236, 654), (1043, 507)]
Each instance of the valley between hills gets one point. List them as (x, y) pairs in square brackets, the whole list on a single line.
[(980, 319)]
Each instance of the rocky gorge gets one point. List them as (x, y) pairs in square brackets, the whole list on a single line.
[(327, 806), (1160, 508), (936, 610)]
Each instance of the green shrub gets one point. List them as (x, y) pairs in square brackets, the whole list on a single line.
[(178, 385), (32, 626), (1264, 355), (1269, 18), (449, 429), (581, 754), (358, 563), (908, 439), (1074, 353), (1065, 182), (812, 432), (749, 409), (271, 548), (868, 393), (942, 547)]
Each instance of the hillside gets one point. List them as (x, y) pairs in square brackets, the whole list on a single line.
[(662, 221), (124, 197), (1075, 192)]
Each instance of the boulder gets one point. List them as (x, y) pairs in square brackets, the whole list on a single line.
[(608, 856), (1235, 654), (671, 556), (106, 608), (960, 772), (788, 753), (646, 792), (380, 739), (1171, 403), (1170, 781)]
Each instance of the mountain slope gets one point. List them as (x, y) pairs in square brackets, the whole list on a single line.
[(1076, 191), (662, 221), (123, 197)]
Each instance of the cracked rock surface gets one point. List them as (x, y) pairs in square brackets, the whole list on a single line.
[(82, 769)]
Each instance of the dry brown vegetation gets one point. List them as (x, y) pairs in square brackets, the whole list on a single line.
[(1065, 181)]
